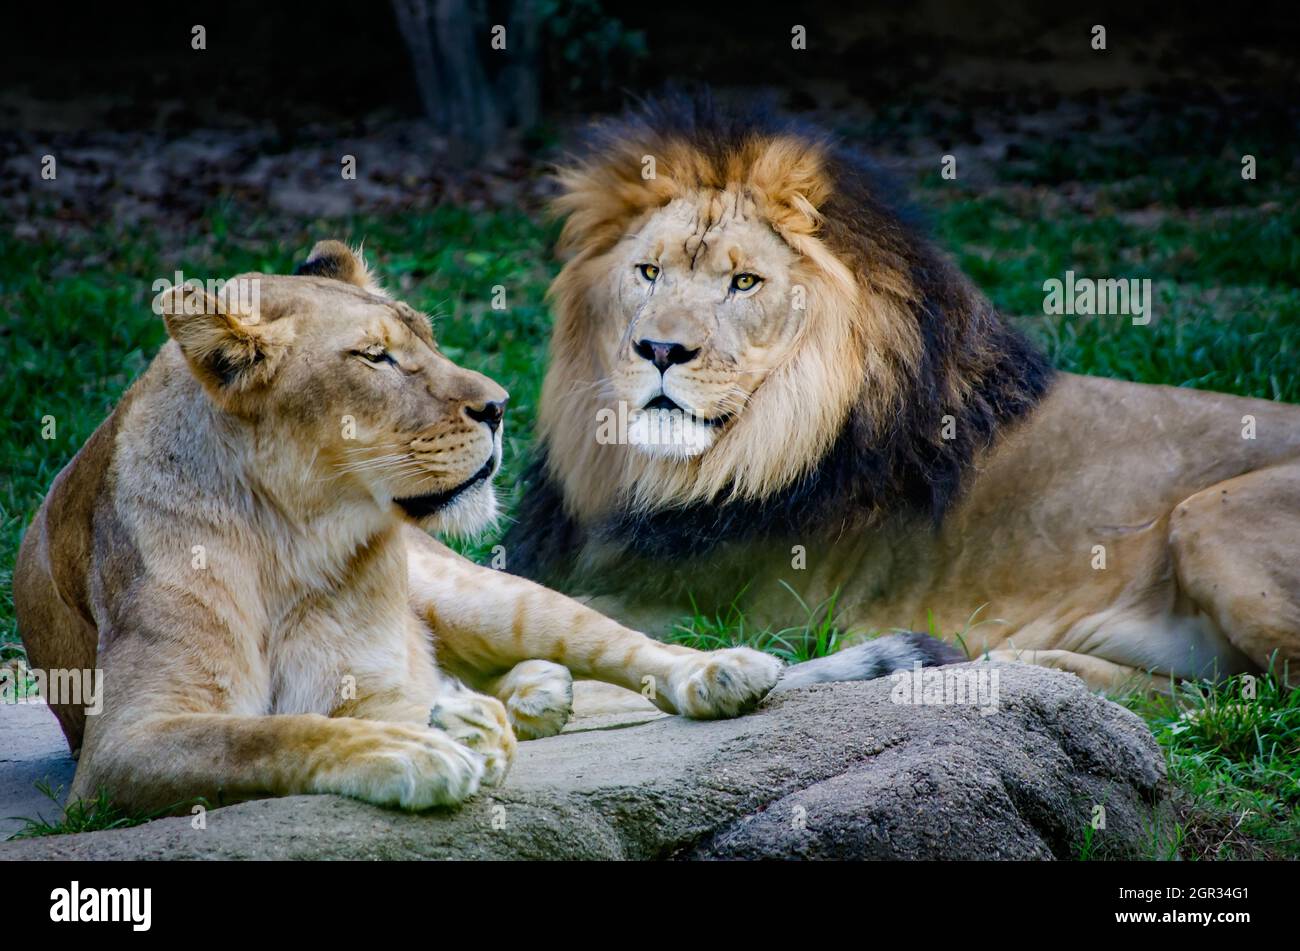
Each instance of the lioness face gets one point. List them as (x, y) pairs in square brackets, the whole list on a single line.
[(364, 378), (702, 301), (349, 394)]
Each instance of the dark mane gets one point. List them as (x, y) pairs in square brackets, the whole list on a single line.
[(876, 466)]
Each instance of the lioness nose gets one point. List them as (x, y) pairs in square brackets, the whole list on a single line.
[(489, 412), (663, 355)]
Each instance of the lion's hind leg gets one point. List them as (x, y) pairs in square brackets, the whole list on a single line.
[(1096, 672), (1235, 548)]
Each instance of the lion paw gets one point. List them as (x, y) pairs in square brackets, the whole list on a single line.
[(723, 683), (480, 723), (409, 767), (539, 698)]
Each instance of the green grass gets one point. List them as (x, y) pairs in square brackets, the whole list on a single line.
[(76, 328), (90, 815), (1233, 756), (817, 635)]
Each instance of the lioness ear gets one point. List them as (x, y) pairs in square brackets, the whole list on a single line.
[(223, 351), (335, 260)]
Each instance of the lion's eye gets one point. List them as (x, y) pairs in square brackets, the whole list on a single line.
[(649, 271), (375, 355), (745, 282)]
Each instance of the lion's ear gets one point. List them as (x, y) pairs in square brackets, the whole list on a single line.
[(599, 197), (335, 260), (789, 174), (224, 351)]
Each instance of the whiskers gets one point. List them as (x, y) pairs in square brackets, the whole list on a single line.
[(732, 402), (389, 460), (366, 460)]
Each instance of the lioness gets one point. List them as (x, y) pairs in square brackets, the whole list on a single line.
[(232, 548), (760, 372)]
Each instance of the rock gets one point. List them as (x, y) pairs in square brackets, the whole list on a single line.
[(830, 771)]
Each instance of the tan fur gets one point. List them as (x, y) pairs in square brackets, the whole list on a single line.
[(229, 550), (1197, 522)]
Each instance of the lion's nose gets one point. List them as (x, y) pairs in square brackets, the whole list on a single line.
[(490, 412), (664, 355)]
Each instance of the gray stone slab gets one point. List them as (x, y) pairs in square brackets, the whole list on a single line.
[(32, 750), (830, 771)]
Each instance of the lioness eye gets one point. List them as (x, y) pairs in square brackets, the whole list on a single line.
[(375, 355), (745, 282), (648, 271)]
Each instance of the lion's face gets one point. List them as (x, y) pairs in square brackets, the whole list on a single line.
[(349, 387), (701, 307), (727, 314)]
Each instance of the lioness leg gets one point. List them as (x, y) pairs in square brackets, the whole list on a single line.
[(474, 719), (538, 696), (183, 699), (485, 622), (56, 636), (1234, 550), (157, 761)]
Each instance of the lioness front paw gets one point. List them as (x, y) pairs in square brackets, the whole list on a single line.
[(539, 698), (723, 683), (406, 766), (480, 723)]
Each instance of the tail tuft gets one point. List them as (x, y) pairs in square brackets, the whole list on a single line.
[(878, 657)]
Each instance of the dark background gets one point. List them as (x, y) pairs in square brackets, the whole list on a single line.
[(122, 65)]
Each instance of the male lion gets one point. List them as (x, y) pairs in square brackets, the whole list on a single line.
[(760, 372), (232, 548)]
